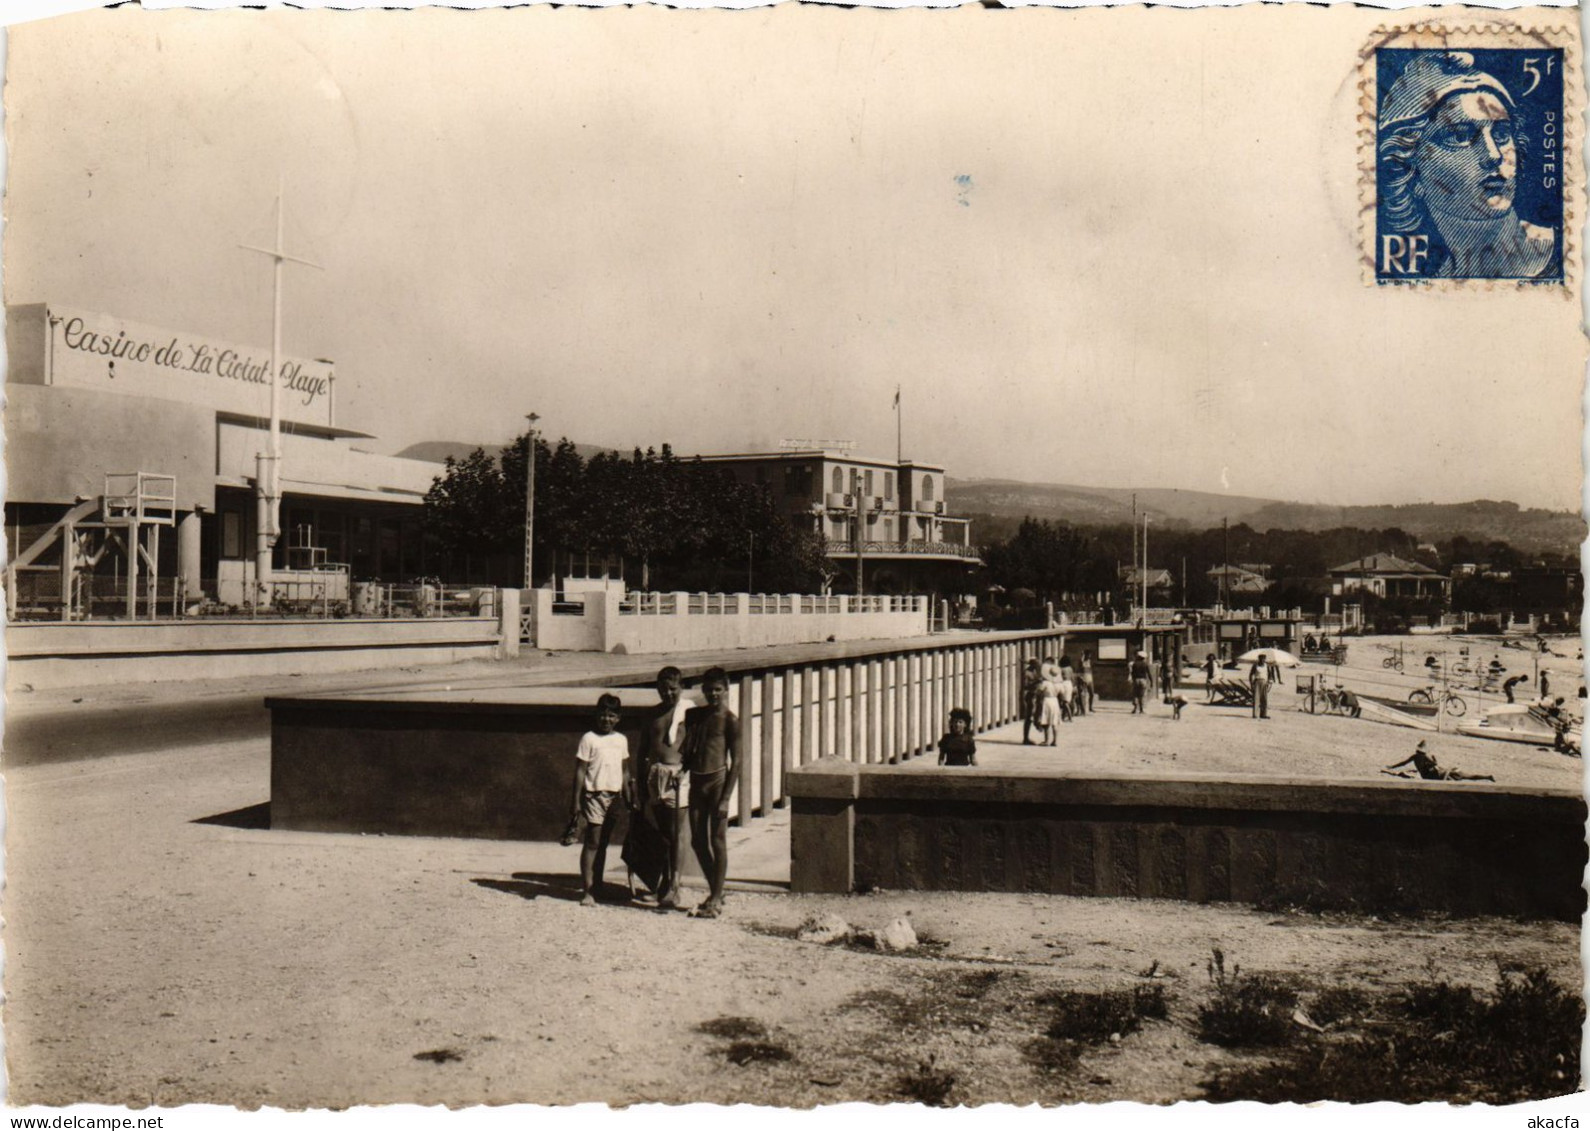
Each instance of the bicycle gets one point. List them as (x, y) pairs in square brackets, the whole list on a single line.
[(1393, 661), (1453, 704), (1337, 702)]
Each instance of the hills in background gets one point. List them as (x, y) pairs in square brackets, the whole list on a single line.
[(1002, 503), (1101, 506), (1006, 502)]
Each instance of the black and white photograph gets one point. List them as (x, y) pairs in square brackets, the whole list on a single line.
[(795, 556)]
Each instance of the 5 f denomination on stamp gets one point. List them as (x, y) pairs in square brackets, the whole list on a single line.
[(1469, 155)]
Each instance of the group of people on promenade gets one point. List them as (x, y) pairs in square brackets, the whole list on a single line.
[(677, 791), (1054, 693)]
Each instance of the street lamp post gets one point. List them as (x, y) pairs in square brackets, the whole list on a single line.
[(530, 498)]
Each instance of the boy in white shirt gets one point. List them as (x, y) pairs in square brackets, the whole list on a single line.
[(601, 774)]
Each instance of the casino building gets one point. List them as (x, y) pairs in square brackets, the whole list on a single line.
[(91, 396)]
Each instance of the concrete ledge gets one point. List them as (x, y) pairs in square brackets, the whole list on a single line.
[(831, 778), (1367, 845), (122, 638), (517, 703), (1367, 797), (47, 656)]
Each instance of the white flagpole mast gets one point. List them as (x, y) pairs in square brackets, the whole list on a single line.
[(1144, 573), (1134, 548), (268, 465)]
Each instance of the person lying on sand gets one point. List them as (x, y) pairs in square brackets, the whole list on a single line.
[(1425, 764)]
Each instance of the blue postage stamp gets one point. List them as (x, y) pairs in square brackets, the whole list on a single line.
[(1470, 173)]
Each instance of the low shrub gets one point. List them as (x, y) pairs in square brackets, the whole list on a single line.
[(733, 1028), (927, 1084), (1435, 1042), (742, 1053), (1082, 1018), (1338, 1004), (1246, 1010), (1094, 1017)]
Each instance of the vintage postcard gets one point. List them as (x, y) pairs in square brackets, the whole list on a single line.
[(799, 556)]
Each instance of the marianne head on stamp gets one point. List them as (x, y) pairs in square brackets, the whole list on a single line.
[(1455, 167)]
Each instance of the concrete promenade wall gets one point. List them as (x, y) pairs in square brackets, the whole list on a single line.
[(473, 762), (96, 652), (685, 622), (1439, 846), (386, 763)]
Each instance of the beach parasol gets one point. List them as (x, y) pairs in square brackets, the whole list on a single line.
[(1278, 656)]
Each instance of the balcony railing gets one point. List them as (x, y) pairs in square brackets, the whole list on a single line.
[(758, 604), (940, 549)]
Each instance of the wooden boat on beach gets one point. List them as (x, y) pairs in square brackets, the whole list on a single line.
[(1519, 722)]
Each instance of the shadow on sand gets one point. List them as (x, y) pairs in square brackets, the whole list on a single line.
[(534, 885), (248, 817)]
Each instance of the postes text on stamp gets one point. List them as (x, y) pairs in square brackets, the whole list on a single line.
[(1467, 169)]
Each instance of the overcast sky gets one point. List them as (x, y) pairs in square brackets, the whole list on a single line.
[(1104, 247)]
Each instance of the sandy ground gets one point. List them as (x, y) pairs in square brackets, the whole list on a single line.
[(1365, 668), (1229, 742), (157, 957), (153, 959)]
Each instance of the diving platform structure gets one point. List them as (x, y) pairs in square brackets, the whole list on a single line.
[(123, 522)]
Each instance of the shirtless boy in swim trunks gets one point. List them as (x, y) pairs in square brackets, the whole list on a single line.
[(664, 781), (712, 755)]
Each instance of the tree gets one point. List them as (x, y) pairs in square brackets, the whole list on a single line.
[(629, 503), (463, 514), (676, 525), (1051, 560)]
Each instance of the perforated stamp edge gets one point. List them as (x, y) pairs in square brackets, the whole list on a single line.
[(1457, 34)]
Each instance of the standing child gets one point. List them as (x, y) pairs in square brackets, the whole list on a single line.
[(601, 773), (712, 755), (958, 747), (1141, 675), (1085, 680), (1030, 678), (1048, 712), (663, 785)]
